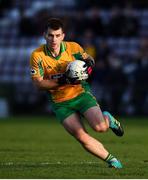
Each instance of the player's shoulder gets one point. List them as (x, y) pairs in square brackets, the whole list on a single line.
[(74, 46), (72, 43), (38, 50)]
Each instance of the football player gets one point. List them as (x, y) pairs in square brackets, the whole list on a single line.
[(69, 97)]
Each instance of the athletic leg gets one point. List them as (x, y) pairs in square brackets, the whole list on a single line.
[(75, 128), (101, 124), (96, 119), (102, 121), (105, 120)]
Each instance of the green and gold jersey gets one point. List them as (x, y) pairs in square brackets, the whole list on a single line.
[(43, 64)]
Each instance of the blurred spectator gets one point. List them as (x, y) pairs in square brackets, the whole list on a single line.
[(123, 23), (89, 43), (102, 62), (39, 20), (140, 93), (100, 73), (79, 22), (95, 22), (4, 5), (115, 25), (104, 52), (115, 83), (33, 25), (130, 23), (27, 27)]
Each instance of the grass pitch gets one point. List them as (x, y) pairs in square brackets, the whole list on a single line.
[(39, 147)]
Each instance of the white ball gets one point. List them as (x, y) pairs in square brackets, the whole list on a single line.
[(76, 69)]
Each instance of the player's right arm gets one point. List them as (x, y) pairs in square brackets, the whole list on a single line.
[(45, 84), (37, 74)]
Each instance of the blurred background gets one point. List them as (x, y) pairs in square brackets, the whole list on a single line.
[(114, 32)]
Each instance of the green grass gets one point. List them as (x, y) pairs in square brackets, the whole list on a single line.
[(40, 148)]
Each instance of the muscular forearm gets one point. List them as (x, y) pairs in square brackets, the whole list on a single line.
[(46, 84)]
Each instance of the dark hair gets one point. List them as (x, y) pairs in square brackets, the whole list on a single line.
[(54, 23)]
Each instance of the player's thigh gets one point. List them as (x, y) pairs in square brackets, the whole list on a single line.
[(95, 118), (74, 126)]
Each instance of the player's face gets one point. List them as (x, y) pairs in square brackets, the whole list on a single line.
[(54, 38)]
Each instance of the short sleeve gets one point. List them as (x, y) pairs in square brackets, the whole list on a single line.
[(83, 54), (36, 68), (77, 51)]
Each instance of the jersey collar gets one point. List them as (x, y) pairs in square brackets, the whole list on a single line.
[(62, 49)]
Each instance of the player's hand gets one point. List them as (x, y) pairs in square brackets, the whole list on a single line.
[(64, 79), (89, 64)]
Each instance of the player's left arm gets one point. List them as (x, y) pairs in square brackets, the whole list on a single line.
[(90, 63), (89, 60)]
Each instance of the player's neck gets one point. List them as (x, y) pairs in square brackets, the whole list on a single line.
[(54, 52)]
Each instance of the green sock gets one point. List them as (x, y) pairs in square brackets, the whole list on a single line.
[(109, 158)]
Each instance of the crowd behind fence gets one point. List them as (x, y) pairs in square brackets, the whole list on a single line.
[(117, 38)]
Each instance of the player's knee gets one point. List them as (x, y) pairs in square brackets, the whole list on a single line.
[(101, 128)]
